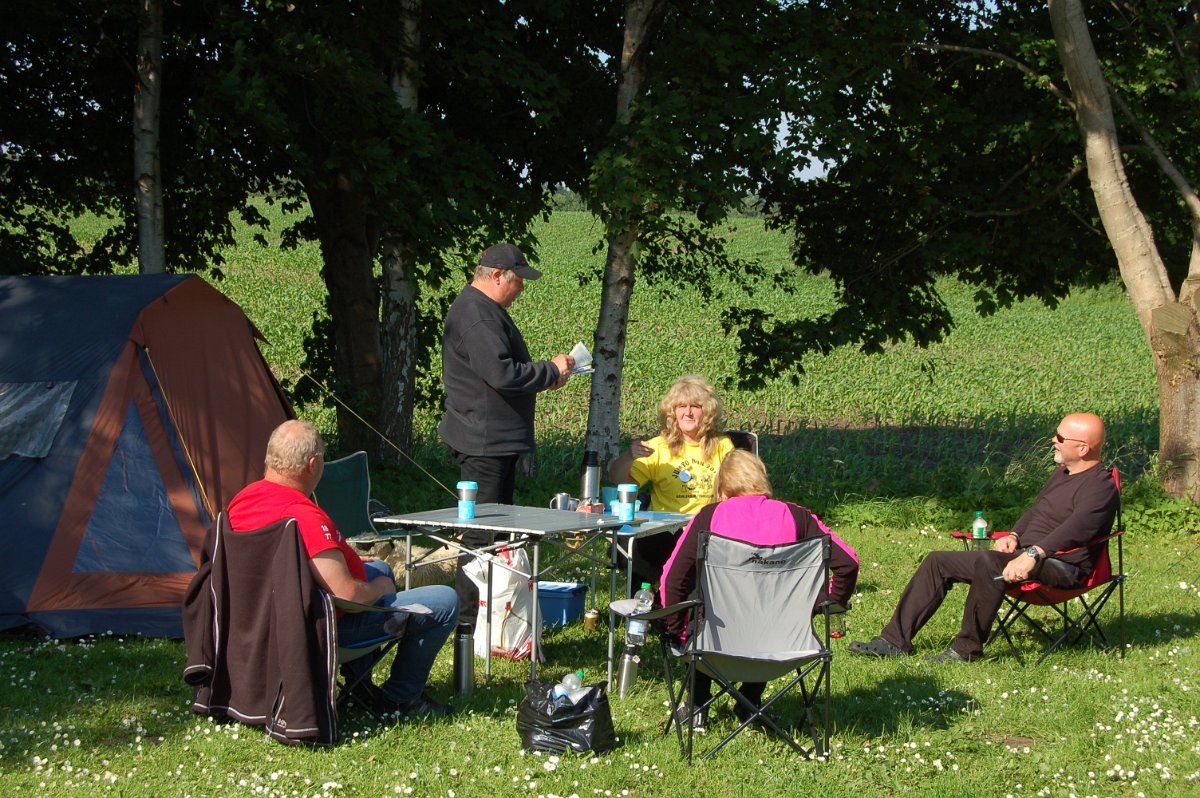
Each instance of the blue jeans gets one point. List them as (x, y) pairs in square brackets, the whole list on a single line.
[(423, 637)]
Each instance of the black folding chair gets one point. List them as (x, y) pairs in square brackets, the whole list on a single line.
[(743, 440)]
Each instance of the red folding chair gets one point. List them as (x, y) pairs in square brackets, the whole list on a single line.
[(1078, 622)]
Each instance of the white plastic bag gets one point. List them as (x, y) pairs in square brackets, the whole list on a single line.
[(511, 605)]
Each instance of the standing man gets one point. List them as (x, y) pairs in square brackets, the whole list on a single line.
[(1076, 505), (491, 389), (294, 464)]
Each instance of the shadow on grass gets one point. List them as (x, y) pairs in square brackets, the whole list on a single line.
[(895, 702), (1141, 630), (995, 461)]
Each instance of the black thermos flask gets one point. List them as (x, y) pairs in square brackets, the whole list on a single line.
[(464, 660)]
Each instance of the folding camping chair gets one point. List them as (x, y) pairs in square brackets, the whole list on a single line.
[(752, 622), (261, 634), (344, 492), (1078, 624), (252, 570)]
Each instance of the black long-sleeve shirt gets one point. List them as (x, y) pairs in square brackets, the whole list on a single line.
[(1070, 511), (491, 381)]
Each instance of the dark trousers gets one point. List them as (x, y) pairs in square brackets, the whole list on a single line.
[(751, 690), (650, 555), (497, 478), (940, 571)]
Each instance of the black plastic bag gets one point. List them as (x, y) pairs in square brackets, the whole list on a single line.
[(546, 724)]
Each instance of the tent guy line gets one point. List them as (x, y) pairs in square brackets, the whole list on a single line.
[(369, 426)]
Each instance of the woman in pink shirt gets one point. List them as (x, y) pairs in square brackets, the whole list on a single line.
[(745, 511)]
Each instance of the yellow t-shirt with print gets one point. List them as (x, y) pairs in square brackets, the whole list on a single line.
[(681, 484)]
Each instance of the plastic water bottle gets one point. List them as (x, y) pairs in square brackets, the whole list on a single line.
[(979, 526), (635, 631), (569, 684)]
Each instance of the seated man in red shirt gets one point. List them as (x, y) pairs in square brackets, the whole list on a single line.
[(294, 464)]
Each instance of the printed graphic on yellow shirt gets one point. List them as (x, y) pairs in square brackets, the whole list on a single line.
[(695, 479)]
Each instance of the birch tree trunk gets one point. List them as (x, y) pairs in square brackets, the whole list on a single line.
[(399, 328), (147, 169), (1169, 321), (604, 402)]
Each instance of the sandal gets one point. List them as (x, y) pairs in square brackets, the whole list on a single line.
[(876, 647)]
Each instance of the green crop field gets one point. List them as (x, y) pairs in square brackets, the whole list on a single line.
[(947, 428), (893, 450)]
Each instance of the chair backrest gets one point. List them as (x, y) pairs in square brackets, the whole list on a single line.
[(758, 600), (344, 492), (259, 618), (743, 440)]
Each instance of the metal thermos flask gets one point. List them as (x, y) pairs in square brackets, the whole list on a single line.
[(627, 672), (464, 660), (589, 478)]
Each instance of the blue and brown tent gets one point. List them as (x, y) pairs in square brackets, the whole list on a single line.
[(132, 408)]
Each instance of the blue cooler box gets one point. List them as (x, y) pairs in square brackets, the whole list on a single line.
[(560, 603)]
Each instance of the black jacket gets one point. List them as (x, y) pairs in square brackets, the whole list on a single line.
[(261, 635), (491, 382)]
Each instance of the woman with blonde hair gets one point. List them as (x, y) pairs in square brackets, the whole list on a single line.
[(745, 511), (680, 464)]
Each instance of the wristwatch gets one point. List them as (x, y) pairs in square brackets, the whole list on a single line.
[(1034, 553)]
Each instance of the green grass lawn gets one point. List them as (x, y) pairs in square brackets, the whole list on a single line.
[(893, 450), (111, 716)]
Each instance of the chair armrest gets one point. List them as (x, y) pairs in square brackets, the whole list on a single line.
[(625, 608), (666, 612), (346, 605), (1090, 543)]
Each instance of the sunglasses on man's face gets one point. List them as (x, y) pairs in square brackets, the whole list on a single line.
[(1058, 437)]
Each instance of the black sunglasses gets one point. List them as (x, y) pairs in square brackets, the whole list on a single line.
[(1058, 437)]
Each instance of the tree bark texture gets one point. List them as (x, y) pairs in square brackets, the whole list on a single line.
[(1169, 321), (147, 168), (349, 240), (604, 402), (399, 324)]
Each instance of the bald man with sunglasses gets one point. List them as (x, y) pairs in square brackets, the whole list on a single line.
[(1076, 505)]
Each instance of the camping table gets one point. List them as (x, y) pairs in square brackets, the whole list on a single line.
[(524, 526)]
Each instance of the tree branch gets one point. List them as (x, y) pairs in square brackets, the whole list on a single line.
[(1008, 59), (1164, 163), (1075, 171)]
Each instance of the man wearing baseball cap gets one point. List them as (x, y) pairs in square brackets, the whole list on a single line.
[(491, 389)]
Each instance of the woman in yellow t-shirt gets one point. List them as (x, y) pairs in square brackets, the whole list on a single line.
[(680, 464)]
